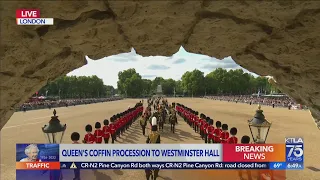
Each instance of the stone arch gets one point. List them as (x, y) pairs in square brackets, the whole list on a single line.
[(280, 39)]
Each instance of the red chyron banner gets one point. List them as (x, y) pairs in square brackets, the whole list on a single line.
[(254, 153), (38, 165), (28, 13)]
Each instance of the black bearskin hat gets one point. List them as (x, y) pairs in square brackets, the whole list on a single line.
[(88, 128), (224, 126), (218, 124), (197, 113), (75, 136), (106, 122), (233, 131), (97, 125), (211, 121), (208, 119), (245, 140)]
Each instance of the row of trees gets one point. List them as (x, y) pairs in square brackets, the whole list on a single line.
[(77, 87), (131, 84), (194, 83)]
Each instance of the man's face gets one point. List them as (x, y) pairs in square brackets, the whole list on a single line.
[(33, 154)]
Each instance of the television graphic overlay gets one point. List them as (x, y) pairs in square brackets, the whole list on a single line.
[(294, 153), (36, 160), (31, 17)]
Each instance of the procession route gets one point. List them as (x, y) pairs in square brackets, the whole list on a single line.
[(26, 128)]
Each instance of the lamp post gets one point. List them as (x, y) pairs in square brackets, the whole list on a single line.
[(54, 131), (259, 127)]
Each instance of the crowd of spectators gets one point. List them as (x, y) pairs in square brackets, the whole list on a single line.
[(62, 103), (283, 101)]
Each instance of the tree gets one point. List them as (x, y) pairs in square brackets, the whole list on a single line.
[(110, 91), (168, 86), (134, 85), (178, 87), (193, 82), (130, 83), (122, 77), (147, 84), (76, 87)]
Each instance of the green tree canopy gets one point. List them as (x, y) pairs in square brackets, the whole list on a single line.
[(77, 87), (131, 84)]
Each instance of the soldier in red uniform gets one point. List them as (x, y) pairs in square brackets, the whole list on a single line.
[(122, 124), (98, 133), (89, 138), (191, 118), (117, 125), (210, 130), (205, 129), (106, 131), (225, 134), (112, 130), (202, 121), (196, 122), (233, 139), (217, 133)]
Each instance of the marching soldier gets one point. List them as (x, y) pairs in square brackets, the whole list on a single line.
[(162, 117), (153, 138), (143, 124), (172, 118)]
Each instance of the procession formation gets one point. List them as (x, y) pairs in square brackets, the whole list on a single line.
[(159, 120), (157, 113)]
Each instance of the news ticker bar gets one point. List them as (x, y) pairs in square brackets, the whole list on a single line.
[(158, 165)]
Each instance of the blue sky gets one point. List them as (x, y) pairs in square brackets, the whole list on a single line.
[(150, 67)]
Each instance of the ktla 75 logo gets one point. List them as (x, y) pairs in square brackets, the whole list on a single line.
[(295, 152)]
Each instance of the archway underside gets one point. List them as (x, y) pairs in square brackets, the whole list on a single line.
[(280, 39)]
